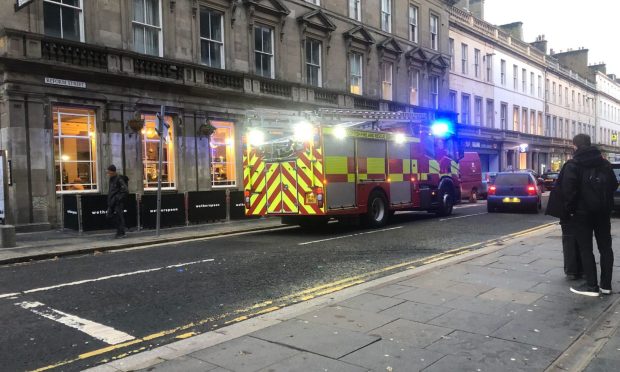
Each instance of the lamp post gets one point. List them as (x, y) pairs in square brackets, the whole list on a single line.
[(161, 132)]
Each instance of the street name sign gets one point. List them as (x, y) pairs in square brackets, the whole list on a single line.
[(64, 82)]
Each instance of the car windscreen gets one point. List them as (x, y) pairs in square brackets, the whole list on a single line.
[(512, 179)]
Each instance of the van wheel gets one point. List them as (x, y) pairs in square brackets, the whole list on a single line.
[(473, 196), (447, 204), (377, 214)]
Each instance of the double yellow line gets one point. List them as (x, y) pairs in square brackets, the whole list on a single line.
[(276, 304)]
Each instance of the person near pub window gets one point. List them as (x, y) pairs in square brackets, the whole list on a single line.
[(117, 193)]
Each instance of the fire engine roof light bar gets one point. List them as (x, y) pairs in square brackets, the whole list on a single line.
[(303, 132), (256, 137), (400, 138), (340, 132), (441, 128)]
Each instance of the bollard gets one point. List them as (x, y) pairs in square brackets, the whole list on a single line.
[(7, 236)]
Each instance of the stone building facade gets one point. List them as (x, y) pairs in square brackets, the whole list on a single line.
[(81, 83)]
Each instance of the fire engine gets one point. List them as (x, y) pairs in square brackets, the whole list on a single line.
[(350, 165)]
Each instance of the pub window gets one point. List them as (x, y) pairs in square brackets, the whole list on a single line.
[(75, 149), (147, 27), (150, 154), (211, 38), (64, 19), (223, 154)]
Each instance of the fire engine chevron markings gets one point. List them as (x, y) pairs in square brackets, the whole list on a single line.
[(350, 235), (101, 332)]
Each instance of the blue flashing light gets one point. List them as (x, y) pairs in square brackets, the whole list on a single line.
[(441, 128)]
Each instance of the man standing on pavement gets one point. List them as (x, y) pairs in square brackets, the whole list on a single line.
[(588, 186), (117, 193)]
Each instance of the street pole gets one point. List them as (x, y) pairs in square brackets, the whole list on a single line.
[(160, 131)]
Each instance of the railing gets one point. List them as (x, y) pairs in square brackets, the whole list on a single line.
[(519, 45), (74, 54), (484, 27), (365, 103), (221, 79), (157, 69), (325, 97), (398, 107), (275, 88), (503, 36), (460, 14)]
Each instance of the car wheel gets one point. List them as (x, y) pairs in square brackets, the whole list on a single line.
[(377, 214), (447, 204)]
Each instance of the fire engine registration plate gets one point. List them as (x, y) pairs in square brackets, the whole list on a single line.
[(511, 200), (310, 198)]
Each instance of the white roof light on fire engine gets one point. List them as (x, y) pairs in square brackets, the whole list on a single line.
[(340, 132), (256, 137), (303, 132), (400, 138)]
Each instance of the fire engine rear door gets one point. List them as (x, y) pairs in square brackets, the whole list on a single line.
[(282, 187)]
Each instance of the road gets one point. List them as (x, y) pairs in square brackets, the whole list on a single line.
[(80, 311)]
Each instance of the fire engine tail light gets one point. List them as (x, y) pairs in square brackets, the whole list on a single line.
[(247, 199), (319, 197), (492, 190)]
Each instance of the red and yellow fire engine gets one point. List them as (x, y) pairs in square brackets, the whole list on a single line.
[(350, 164)]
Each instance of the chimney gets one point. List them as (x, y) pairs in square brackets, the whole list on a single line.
[(515, 29), (476, 7), (541, 44), (575, 60), (599, 67)]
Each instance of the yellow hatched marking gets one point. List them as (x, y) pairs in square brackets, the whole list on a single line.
[(292, 188)]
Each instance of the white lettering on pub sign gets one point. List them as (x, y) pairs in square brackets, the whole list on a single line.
[(65, 83)]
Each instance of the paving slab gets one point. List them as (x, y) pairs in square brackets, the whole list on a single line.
[(611, 350), (507, 259), (511, 296), (245, 354), (346, 318), (467, 289), (415, 311), (371, 302), (483, 324), (481, 305), (328, 341), (388, 355), (603, 365), (310, 363), (182, 364), (428, 296), (406, 332), (390, 290)]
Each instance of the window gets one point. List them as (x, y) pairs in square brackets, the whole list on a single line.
[(451, 46), (465, 108), (540, 124), (464, 53), (413, 25), (560, 94), (386, 15), (579, 101), (452, 98), (64, 19), (355, 61), (554, 128), (524, 80), (414, 98), (75, 149), (434, 32), (503, 115), (477, 62), (313, 63), (553, 92), (434, 91), (573, 104), (566, 96), (547, 90), (531, 83), (263, 51), (561, 132), (211, 38), (524, 121), (387, 80), (355, 9), (532, 122), (490, 111), (548, 126), (503, 72), (150, 154), (489, 68), (539, 86), (223, 154), (147, 27), (478, 111), (515, 77), (516, 122)]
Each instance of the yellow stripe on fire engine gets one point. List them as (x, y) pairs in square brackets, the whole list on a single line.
[(433, 167), (414, 166), (303, 188), (336, 164), (397, 177), (375, 165), (289, 201), (455, 167)]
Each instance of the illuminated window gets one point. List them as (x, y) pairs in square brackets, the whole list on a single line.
[(223, 154), (355, 61), (150, 154), (75, 149)]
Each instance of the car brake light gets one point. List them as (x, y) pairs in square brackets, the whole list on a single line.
[(531, 190), (492, 190)]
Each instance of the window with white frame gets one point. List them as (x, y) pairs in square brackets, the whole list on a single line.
[(150, 153), (211, 38), (524, 121), (75, 149), (355, 9), (553, 92), (355, 74), (477, 62), (64, 19), (386, 15), (560, 94), (464, 52), (532, 122), (263, 51), (524, 80), (503, 115), (413, 24), (387, 85), (465, 107), (478, 111), (223, 162), (147, 27), (515, 77), (516, 118), (503, 72), (451, 47), (489, 58), (434, 91), (547, 83), (414, 82), (539, 86), (452, 98), (313, 63), (434, 23), (532, 81), (490, 111), (566, 96)]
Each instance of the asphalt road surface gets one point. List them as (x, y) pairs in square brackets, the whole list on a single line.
[(80, 311)]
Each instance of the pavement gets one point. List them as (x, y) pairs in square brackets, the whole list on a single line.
[(503, 307)]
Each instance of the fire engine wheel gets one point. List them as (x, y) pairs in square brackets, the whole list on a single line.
[(378, 213), (447, 204)]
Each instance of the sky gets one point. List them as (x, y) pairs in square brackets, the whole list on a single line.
[(566, 24)]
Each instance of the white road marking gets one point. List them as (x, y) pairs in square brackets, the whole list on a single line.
[(101, 332), (461, 206), (42, 289), (350, 235), (457, 217)]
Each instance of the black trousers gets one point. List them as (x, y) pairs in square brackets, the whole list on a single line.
[(570, 249), (118, 218), (598, 224)]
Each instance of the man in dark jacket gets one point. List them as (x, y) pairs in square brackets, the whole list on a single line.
[(117, 193), (590, 211)]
